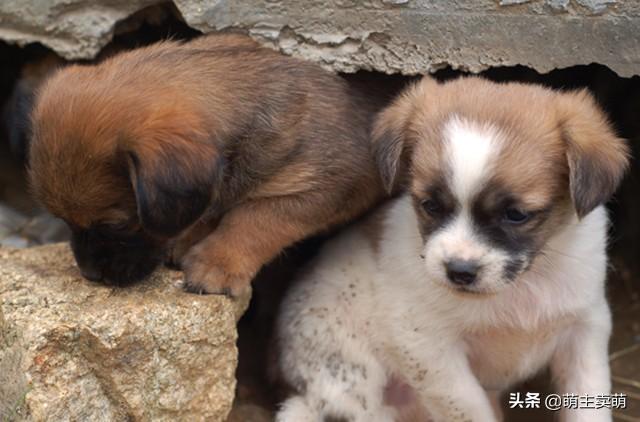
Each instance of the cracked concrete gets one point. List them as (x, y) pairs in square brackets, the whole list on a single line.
[(391, 36)]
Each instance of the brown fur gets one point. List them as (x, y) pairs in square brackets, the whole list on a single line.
[(373, 225), (216, 132)]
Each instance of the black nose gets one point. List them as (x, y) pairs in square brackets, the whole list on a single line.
[(462, 272), (91, 274)]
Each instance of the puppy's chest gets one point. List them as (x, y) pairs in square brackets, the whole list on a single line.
[(500, 357)]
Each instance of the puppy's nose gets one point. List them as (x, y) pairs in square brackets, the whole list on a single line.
[(91, 274), (462, 272)]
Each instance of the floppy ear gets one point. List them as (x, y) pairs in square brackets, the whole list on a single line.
[(389, 135), (597, 158), (173, 179)]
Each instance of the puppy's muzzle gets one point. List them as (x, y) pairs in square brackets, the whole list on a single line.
[(462, 272), (117, 261)]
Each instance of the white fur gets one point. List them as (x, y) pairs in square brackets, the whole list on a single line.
[(359, 316), (470, 150)]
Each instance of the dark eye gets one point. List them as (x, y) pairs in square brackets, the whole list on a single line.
[(433, 207), (515, 216)]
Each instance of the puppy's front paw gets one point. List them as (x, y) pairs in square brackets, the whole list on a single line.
[(204, 276)]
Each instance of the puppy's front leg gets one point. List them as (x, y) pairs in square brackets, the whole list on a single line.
[(449, 389), (248, 236), (581, 364), (190, 237)]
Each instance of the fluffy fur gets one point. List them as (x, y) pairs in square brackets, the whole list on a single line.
[(217, 150), (488, 267)]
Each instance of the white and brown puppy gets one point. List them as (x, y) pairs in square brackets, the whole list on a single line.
[(489, 266)]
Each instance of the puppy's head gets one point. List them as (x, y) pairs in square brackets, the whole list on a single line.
[(494, 170), (123, 158)]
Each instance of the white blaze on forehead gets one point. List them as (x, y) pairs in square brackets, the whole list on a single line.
[(471, 150)]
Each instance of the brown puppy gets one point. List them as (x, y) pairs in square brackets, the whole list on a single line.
[(165, 143)]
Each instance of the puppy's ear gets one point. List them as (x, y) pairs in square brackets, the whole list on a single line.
[(597, 158), (174, 176), (389, 136)]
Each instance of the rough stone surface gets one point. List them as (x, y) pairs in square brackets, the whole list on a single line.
[(392, 36), (75, 350)]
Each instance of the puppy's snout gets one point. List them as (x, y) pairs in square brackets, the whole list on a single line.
[(462, 272)]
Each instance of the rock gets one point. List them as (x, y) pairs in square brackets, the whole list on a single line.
[(9, 220), (44, 228), (19, 231), (75, 350), (391, 36), (73, 28)]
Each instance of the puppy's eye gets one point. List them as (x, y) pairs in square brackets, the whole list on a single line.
[(433, 207), (515, 216)]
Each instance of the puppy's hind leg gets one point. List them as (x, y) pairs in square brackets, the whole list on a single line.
[(347, 384), (326, 354), (359, 402)]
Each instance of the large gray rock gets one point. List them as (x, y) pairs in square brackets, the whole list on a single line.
[(75, 350), (405, 36), (73, 28)]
